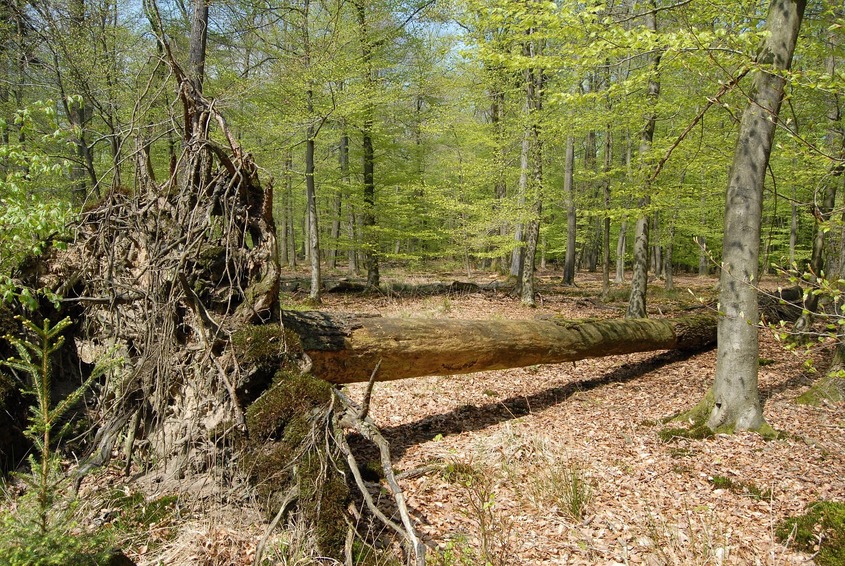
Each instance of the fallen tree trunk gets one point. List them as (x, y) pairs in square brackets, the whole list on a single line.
[(347, 348)]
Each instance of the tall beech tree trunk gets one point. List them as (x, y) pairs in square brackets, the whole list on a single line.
[(337, 221), (518, 254), (736, 397), (534, 96), (639, 279), (667, 257), (313, 242), (608, 154), (620, 252), (571, 214), (371, 243), (313, 227)]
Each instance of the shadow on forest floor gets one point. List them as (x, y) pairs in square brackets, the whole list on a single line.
[(472, 418)]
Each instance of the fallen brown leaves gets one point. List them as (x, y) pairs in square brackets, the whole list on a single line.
[(652, 502)]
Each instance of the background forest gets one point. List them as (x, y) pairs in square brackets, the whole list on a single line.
[(452, 131), (169, 170)]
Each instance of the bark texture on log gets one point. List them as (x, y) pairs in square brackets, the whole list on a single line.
[(346, 348)]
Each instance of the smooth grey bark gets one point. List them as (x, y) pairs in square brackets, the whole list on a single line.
[(701, 242), (571, 214), (518, 254), (608, 154), (290, 226), (669, 282), (736, 396), (313, 244), (343, 159), (534, 99), (313, 227), (620, 252), (703, 263), (639, 278)]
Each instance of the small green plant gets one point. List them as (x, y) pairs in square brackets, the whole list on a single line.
[(821, 529), (494, 531), (42, 531), (457, 552)]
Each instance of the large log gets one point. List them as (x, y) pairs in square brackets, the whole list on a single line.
[(347, 348)]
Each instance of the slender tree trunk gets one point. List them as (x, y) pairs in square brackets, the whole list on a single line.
[(313, 228), (343, 158), (199, 40), (701, 242), (290, 224), (656, 249), (667, 257), (737, 401), (639, 279), (608, 154), (371, 240), (518, 254), (534, 98), (571, 217), (620, 252)]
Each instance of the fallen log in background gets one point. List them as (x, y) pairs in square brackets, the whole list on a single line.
[(347, 348)]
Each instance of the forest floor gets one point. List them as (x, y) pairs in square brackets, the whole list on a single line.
[(515, 442)]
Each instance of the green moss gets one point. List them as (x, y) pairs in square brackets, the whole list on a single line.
[(699, 414), (262, 351), (767, 432), (263, 345), (132, 513), (324, 504), (288, 433), (766, 362), (292, 395), (822, 526), (828, 389)]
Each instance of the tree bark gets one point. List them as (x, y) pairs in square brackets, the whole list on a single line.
[(571, 214), (313, 228), (518, 254), (737, 401), (346, 348), (199, 40), (371, 239), (639, 279), (608, 154), (620, 253)]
